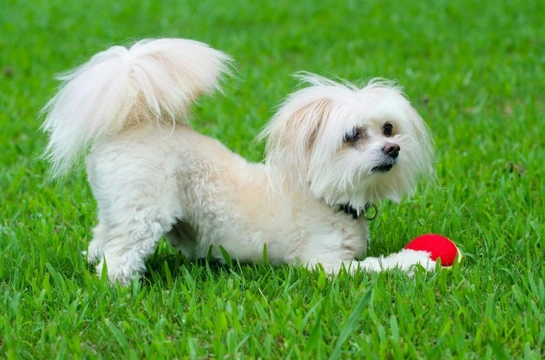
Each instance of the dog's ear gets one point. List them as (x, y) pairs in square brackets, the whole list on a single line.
[(293, 131)]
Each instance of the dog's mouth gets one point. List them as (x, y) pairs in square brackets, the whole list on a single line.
[(382, 168)]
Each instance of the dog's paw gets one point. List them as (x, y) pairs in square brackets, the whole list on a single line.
[(115, 275), (410, 260), (121, 270)]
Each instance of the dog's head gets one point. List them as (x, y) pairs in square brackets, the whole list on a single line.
[(349, 145)]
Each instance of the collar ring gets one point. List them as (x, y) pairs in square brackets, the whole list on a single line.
[(370, 215)]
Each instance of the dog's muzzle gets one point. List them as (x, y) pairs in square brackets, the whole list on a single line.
[(391, 151)]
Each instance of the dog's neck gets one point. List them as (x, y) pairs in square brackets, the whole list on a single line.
[(369, 215)]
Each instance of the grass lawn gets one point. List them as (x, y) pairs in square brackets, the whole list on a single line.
[(474, 69)]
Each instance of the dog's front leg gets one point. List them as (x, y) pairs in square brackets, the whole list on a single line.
[(405, 260)]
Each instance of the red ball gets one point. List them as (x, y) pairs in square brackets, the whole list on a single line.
[(438, 246)]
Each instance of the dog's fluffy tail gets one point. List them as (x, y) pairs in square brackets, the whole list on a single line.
[(154, 81)]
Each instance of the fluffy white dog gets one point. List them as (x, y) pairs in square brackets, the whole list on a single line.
[(332, 150)]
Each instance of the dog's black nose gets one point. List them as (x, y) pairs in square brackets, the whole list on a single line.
[(391, 150)]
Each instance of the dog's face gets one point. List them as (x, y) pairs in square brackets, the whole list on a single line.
[(348, 145)]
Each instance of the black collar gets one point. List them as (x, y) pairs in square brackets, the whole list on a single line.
[(369, 215)]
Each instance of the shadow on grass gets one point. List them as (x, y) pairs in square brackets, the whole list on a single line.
[(165, 268)]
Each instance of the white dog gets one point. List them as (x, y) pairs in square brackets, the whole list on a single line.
[(332, 150)]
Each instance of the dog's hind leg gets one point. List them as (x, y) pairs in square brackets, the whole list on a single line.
[(129, 243), (138, 200)]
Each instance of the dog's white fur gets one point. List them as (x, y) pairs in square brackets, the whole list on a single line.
[(152, 175)]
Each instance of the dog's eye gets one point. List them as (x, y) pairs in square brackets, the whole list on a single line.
[(388, 129), (353, 135)]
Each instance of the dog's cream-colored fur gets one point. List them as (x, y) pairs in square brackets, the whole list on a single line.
[(330, 145)]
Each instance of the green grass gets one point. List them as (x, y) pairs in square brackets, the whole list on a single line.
[(474, 69)]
